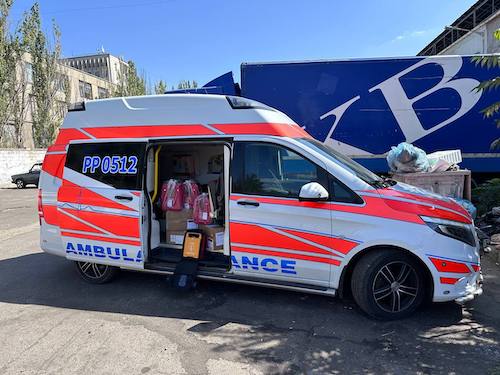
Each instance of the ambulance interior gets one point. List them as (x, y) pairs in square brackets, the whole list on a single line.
[(188, 184)]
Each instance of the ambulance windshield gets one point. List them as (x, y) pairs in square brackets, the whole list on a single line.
[(355, 168)]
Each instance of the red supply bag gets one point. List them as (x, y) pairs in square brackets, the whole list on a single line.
[(191, 192), (172, 196), (202, 214)]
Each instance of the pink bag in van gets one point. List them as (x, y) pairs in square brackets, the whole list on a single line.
[(172, 196), (191, 192), (202, 214)]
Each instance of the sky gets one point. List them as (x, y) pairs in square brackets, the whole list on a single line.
[(176, 40)]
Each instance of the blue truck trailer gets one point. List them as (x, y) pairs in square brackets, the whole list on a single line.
[(362, 107)]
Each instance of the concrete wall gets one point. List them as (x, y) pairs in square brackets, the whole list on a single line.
[(478, 41), (14, 161)]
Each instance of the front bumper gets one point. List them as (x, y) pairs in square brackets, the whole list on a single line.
[(472, 287)]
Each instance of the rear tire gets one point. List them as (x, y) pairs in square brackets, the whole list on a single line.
[(96, 273), (388, 284), (20, 184)]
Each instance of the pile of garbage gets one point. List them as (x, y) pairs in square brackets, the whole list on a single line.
[(489, 223), (488, 229), (406, 158)]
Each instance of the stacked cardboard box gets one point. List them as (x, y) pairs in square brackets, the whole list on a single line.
[(176, 225), (215, 236), (177, 222)]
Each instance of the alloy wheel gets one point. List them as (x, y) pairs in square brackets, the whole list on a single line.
[(395, 286), (92, 270)]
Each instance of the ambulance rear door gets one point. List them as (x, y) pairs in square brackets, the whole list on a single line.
[(100, 203)]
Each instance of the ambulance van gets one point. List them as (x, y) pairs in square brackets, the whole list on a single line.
[(127, 177)]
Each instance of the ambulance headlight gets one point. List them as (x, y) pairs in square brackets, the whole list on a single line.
[(453, 229)]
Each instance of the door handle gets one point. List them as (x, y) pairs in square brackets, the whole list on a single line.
[(123, 197), (248, 203)]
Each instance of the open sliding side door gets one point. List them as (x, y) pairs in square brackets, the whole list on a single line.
[(100, 203)]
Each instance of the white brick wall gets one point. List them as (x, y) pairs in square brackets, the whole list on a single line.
[(14, 161)]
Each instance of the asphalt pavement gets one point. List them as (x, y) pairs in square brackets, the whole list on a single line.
[(52, 322)]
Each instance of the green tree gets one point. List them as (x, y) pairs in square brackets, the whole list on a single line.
[(183, 85), (9, 57), (46, 111), (490, 61), (30, 78), (130, 83), (160, 87)]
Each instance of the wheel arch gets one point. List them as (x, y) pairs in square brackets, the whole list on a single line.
[(344, 289)]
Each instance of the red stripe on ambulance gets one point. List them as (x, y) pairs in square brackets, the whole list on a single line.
[(373, 207), (144, 131), (420, 198), (53, 164), (101, 238), (67, 222), (240, 233), (283, 130), (69, 134), (116, 224), (50, 214), (338, 244)]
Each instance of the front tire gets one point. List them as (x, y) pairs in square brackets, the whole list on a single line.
[(96, 273), (388, 284), (20, 184)]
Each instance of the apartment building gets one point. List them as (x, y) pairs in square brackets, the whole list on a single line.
[(102, 65), (90, 82)]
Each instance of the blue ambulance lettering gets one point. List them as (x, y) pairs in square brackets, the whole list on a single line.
[(266, 264), (102, 252), (110, 164)]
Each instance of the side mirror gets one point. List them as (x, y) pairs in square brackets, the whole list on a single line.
[(313, 191)]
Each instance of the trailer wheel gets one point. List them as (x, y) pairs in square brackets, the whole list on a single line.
[(388, 284), (96, 273)]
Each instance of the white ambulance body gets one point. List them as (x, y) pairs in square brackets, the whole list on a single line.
[(296, 214)]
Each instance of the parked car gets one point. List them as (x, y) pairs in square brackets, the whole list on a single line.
[(29, 178)]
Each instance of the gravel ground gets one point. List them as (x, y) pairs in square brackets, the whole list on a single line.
[(53, 322)]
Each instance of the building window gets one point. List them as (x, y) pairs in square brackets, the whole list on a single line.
[(61, 82), (102, 92), (85, 89), (28, 72)]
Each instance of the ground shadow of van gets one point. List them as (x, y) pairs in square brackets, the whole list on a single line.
[(42, 279), (298, 326)]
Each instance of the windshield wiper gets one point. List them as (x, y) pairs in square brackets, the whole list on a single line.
[(383, 183), (390, 181)]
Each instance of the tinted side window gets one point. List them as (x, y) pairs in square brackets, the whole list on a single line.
[(341, 193), (116, 164), (272, 170)]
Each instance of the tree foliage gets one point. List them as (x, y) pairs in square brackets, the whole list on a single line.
[(130, 83), (29, 79), (46, 71), (489, 62), (10, 53), (160, 87), (183, 85)]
